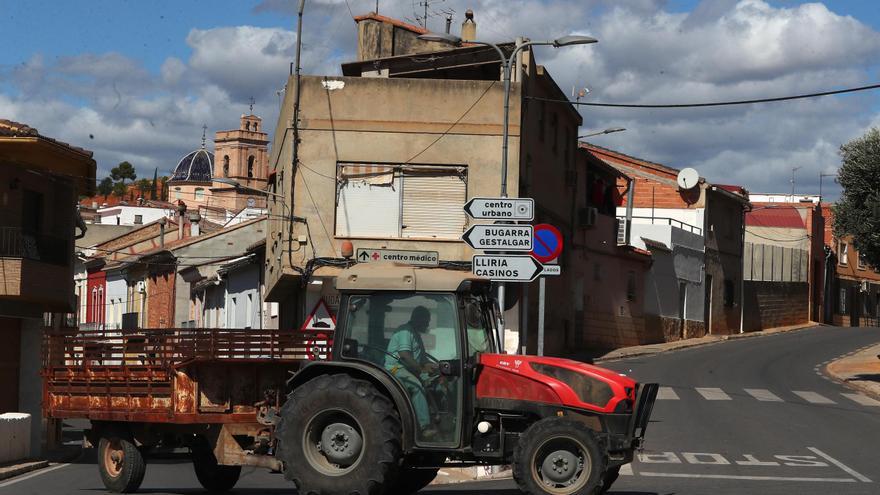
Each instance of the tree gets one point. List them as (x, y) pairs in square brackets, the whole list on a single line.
[(119, 189), (143, 186), (155, 184), (857, 212), (123, 171), (105, 187)]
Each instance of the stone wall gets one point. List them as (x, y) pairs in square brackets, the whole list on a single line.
[(775, 304)]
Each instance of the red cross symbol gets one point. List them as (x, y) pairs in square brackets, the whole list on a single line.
[(375, 255)]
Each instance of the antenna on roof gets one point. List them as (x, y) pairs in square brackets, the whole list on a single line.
[(252, 105), (204, 130), (377, 6), (422, 20)]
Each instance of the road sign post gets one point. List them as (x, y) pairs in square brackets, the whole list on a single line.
[(547, 247)]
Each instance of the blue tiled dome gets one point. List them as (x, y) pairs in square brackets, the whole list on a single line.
[(195, 167)]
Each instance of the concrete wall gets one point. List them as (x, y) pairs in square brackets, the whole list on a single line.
[(15, 430), (775, 304), (125, 214), (30, 389), (387, 121)]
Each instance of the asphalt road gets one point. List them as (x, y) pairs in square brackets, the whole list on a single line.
[(749, 416)]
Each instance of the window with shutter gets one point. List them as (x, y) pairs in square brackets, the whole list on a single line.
[(368, 202), (432, 203)]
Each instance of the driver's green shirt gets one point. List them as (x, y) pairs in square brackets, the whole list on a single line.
[(404, 339)]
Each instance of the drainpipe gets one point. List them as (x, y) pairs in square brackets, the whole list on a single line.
[(162, 232), (742, 272), (630, 193)]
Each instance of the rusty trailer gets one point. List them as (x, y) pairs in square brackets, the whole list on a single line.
[(216, 391)]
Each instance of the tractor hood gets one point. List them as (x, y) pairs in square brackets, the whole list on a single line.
[(556, 381)]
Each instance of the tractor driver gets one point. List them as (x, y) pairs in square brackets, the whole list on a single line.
[(406, 360)]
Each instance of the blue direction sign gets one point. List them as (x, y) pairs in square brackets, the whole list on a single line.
[(547, 245)]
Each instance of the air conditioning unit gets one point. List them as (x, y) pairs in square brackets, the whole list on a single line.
[(141, 287), (587, 217)]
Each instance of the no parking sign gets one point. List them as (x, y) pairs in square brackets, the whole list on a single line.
[(547, 244)]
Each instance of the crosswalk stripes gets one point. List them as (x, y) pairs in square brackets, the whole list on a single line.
[(813, 397), (667, 393), (862, 399), (710, 393), (763, 395)]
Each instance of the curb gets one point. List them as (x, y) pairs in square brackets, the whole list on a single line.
[(22, 468), (843, 379), (715, 340)]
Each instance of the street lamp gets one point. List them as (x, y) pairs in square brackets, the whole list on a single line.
[(606, 131), (506, 64)]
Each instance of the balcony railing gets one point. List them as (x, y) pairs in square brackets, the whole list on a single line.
[(667, 221), (49, 249)]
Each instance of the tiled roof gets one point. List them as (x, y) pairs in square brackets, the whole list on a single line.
[(622, 156), (785, 217), (9, 128)]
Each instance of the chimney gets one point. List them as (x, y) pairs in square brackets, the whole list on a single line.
[(162, 232), (194, 219), (468, 27), (181, 210)]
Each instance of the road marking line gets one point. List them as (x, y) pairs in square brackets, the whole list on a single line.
[(763, 395), (862, 399), (813, 397), (32, 475), (667, 393), (709, 393), (746, 478), (626, 470), (839, 464)]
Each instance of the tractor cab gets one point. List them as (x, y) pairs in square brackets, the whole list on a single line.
[(416, 347)]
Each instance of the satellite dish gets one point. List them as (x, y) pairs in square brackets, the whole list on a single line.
[(688, 178), (251, 202)]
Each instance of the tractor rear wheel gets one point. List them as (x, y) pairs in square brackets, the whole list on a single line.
[(213, 477), (610, 477), (557, 456), (339, 435), (120, 463), (411, 480)]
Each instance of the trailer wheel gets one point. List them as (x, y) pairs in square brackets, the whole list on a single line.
[(611, 476), (411, 480), (339, 435), (557, 456), (120, 463), (213, 477)]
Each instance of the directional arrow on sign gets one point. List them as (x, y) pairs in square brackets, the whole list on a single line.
[(500, 237), (506, 268)]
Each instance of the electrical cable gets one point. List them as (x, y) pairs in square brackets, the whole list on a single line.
[(709, 104)]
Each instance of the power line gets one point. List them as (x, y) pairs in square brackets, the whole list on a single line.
[(709, 104)]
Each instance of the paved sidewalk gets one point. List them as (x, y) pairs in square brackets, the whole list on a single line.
[(646, 350), (859, 369)]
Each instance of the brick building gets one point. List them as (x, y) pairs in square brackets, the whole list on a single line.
[(852, 296), (696, 238), (41, 178)]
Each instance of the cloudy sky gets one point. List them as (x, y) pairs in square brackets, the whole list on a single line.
[(136, 80)]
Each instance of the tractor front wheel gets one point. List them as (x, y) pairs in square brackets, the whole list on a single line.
[(120, 463), (339, 435), (557, 456)]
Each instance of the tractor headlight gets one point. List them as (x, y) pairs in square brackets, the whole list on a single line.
[(588, 389)]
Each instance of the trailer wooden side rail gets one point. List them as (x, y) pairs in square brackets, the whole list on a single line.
[(179, 375)]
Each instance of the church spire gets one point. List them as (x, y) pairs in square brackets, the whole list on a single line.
[(204, 131)]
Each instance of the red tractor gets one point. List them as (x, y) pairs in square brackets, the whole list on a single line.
[(409, 382), (416, 383)]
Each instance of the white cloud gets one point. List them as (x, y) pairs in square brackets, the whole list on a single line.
[(722, 50)]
